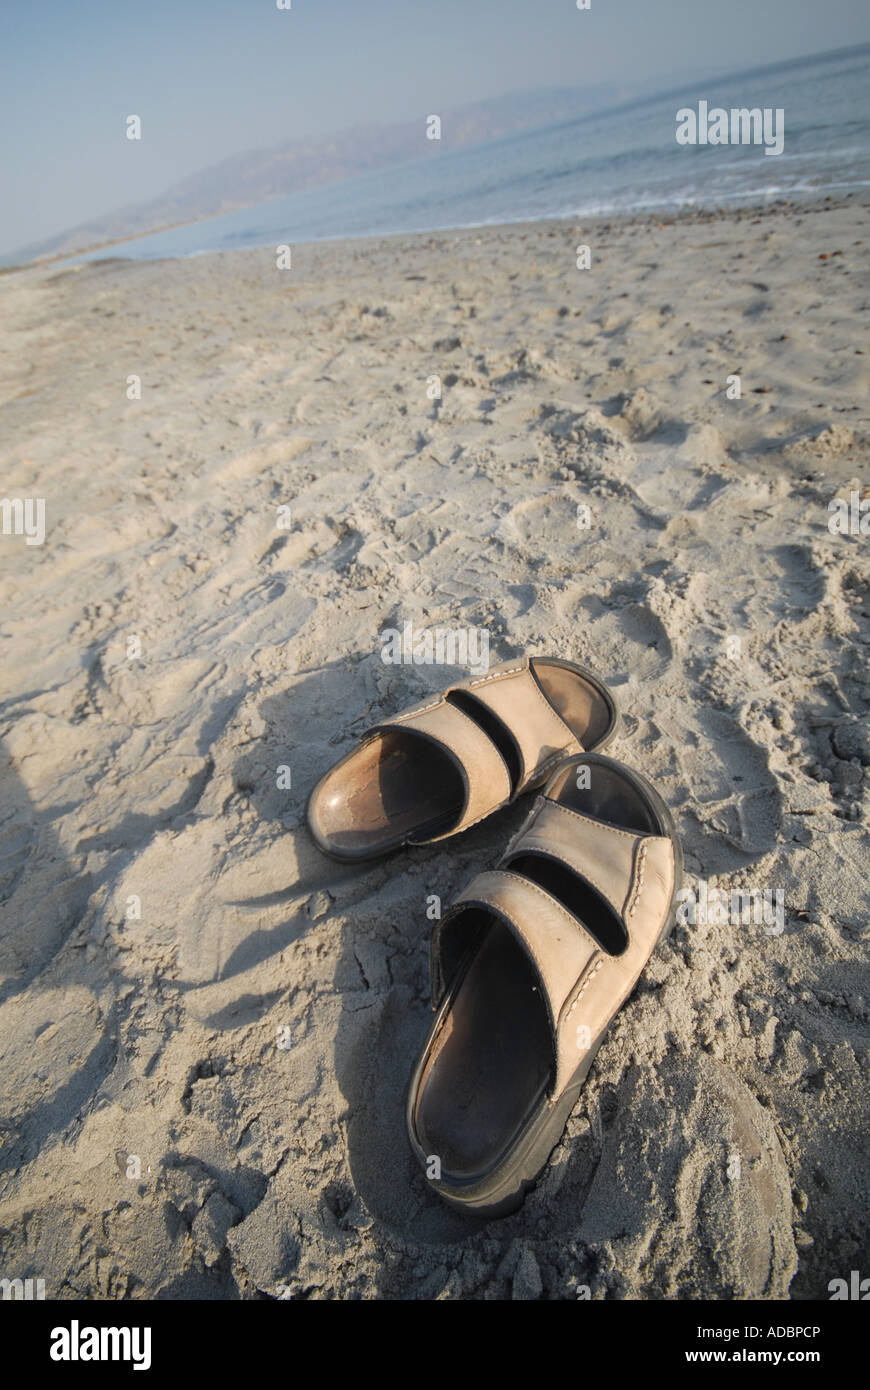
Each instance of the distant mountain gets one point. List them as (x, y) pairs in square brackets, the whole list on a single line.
[(260, 175)]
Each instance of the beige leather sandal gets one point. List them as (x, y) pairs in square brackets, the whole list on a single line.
[(529, 967), (443, 765)]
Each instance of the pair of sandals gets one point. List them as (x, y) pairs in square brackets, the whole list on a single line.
[(535, 957)]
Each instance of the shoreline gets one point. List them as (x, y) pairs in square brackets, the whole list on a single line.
[(664, 214)]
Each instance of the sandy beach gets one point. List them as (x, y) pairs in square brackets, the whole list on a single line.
[(207, 1027)]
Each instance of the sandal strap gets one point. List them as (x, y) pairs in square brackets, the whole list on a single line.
[(633, 872), (611, 860), (568, 962), (514, 696), (511, 693), (559, 946), (581, 983), (484, 773)]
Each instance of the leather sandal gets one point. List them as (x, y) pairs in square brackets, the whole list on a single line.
[(446, 763), (529, 967)]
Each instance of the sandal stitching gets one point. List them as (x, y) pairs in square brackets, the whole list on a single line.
[(591, 972)]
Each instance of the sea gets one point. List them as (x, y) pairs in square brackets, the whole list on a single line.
[(624, 159)]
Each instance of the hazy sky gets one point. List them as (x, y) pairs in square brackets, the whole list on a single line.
[(210, 78)]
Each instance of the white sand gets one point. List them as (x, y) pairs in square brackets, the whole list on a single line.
[(267, 1168)]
